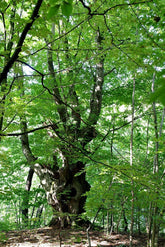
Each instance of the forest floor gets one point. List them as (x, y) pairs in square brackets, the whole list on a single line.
[(49, 237)]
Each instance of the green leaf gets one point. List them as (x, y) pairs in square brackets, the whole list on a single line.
[(53, 10), (52, 2), (159, 93), (70, 1), (66, 8), (3, 6)]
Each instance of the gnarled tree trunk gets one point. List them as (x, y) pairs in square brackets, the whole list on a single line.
[(66, 194), (66, 185)]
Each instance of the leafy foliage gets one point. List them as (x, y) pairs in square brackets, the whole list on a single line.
[(69, 93)]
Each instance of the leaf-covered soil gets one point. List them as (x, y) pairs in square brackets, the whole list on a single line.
[(50, 237)]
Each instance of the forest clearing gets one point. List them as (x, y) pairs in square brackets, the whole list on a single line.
[(71, 238), (82, 123)]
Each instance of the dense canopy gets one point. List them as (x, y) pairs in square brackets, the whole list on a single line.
[(82, 107)]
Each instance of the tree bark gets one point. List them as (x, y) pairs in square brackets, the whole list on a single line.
[(154, 210), (25, 202), (155, 230), (66, 196), (7, 48), (131, 164)]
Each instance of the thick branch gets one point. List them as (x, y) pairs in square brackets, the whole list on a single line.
[(87, 7), (20, 42), (43, 173), (25, 143), (96, 97), (26, 131), (75, 106), (56, 93), (26, 195)]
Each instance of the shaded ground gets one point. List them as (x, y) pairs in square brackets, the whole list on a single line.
[(49, 237)]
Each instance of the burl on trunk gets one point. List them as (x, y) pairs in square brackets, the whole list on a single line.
[(65, 192)]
